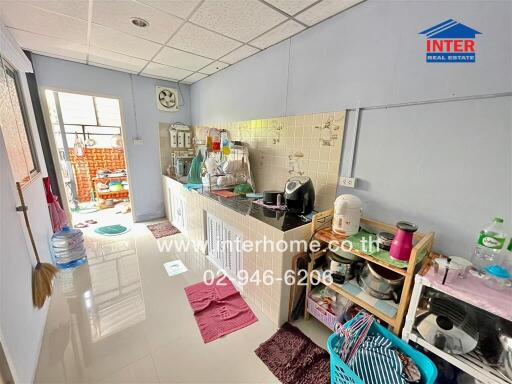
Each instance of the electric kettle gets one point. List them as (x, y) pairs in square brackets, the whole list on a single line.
[(347, 215)]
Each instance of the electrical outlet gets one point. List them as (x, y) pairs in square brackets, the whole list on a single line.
[(137, 141), (349, 182)]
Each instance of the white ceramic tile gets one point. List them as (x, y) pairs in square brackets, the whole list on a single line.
[(115, 60), (241, 20), (194, 77), (325, 9), (192, 38), (277, 34), (120, 42), (117, 14), (213, 67), (27, 18), (74, 8), (50, 45), (239, 54), (180, 8), (166, 72), (181, 59), (291, 7)]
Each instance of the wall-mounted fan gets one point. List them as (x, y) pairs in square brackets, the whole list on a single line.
[(167, 99)]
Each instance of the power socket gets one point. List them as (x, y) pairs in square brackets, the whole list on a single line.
[(349, 182)]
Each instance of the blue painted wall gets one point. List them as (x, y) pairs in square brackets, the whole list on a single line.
[(425, 162)]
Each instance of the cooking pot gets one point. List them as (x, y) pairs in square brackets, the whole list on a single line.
[(342, 269), (380, 282)]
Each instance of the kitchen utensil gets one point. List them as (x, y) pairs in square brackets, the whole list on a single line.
[(299, 195), (89, 142), (347, 215), (384, 240), (401, 245), (341, 269), (449, 325), (380, 282), (456, 269), (270, 197)]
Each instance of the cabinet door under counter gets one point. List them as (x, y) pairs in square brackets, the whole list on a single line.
[(224, 248)]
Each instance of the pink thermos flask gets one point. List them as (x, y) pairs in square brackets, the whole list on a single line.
[(401, 246)]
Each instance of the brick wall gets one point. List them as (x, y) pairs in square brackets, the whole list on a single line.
[(85, 168)]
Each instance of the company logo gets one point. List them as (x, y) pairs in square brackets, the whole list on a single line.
[(450, 42)]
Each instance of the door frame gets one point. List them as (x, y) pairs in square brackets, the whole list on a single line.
[(53, 146)]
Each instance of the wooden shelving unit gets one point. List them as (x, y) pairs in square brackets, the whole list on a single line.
[(321, 230)]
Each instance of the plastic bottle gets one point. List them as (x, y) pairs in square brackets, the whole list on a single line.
[(68, 248), (490, 243)]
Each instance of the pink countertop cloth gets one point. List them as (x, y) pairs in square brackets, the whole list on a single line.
[(473, 291), (218, 308)]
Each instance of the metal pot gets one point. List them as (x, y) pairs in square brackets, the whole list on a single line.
[(380, 282)]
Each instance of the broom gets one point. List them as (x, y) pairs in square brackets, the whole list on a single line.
[(43, 273)]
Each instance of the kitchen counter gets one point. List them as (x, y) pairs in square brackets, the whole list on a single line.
[(281, 220), (205, 219)]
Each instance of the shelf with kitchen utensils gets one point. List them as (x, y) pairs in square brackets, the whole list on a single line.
[(379, 266), (385, 310), (478, 320)]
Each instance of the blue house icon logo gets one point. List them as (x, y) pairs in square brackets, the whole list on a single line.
[(450, 42)]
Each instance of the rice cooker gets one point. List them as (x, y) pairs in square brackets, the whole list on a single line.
[(347, 215)]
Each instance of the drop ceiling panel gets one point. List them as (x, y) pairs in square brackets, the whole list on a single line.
[(166, 72), (239, 54), (241, 20), (291, 7), (325, 9), (213, 67), (117, 14), (180, 8), (198, 40), (115, 60), (51, 46), (73, 8), (194, 77), (119, 42), (36, 20), (181, 59), (277, 34)]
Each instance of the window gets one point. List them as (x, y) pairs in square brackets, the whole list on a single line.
[(15, 129)]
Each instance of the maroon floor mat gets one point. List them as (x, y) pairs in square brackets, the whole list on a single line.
[(293, 358)]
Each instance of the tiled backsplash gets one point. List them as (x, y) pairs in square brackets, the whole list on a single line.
[(308, 145)]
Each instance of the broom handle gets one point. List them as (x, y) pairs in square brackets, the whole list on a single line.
[(25, 215)]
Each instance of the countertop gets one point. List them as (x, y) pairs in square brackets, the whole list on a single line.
[(282, 220)]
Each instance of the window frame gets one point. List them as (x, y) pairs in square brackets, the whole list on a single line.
[(9, 70)]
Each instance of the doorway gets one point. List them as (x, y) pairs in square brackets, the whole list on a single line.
[(89, 150)]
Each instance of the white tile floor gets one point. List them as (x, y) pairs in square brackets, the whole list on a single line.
[(121, 319)]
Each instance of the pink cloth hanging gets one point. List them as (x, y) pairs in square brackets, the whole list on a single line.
[(57, 214)]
